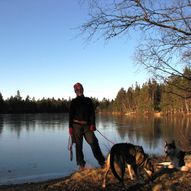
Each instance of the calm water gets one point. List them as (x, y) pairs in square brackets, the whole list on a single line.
[(34, 147)]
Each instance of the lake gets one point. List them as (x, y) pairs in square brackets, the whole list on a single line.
[(34, 147)]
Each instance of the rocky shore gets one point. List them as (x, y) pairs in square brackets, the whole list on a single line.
[(90, 179)]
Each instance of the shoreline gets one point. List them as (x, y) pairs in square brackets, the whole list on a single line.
[(31, 184), (90, 179), (156, 114)]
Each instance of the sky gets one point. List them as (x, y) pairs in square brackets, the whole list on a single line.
[(42, 53)]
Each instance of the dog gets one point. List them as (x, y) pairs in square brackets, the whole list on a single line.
[(175, 155), (127, 155)]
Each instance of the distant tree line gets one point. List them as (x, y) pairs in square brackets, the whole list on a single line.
[(16, 104), (173, 96)]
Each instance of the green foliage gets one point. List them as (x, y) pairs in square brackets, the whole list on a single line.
[(138, 99), (176, 95), (173, 96)]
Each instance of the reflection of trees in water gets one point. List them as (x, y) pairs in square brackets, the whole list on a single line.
[(1, 123), (185, 141), (29, 122), (140, 128), (15, 123), (181, 131), (104, 120), (136, 129), (151, 130), (51, 121)]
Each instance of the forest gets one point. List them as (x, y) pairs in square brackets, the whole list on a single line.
[(170, 97)]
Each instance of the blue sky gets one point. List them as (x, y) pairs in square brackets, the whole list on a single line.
[(42, 54)]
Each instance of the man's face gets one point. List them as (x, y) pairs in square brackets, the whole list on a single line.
[(78, 88), (79, 91)]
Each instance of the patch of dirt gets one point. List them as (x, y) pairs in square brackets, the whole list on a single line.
[(91, 180)]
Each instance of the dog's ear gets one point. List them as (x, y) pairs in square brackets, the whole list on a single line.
[(165, 144), (139, 149)]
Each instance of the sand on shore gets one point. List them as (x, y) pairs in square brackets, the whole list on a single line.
[(90, 179)]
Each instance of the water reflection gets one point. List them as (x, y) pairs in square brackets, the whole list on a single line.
[(180, 128), (134, 129), (29, 122), (1, 124), (151, 132), (35, 145)]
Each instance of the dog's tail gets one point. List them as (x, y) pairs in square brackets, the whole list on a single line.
[(115, 158)]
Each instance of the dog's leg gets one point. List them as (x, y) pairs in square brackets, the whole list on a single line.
[(134, 169), (104, 178), (148, 173), (130, 170), (122, 165), (106, 169)]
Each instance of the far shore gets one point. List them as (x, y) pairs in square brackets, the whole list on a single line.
[(149, 114)]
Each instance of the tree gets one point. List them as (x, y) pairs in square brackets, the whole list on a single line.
[(130, 93), (105, 105), (166, 48), (177, 93), (18, 96), (1, 103), (121, 102), (137, 96)]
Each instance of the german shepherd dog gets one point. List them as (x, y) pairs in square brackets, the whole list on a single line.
[(175, 155), (124, 155)]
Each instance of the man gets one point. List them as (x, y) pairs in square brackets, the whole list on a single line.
[(82, 124)]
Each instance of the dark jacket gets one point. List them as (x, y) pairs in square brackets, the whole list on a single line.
[(82, 109)]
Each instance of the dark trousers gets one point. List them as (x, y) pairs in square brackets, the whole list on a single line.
[(81, 131)]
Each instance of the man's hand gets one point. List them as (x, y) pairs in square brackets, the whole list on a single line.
[(71, 131), (92, 128)]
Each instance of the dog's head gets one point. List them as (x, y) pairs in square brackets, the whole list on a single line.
[(148, 166), (139, 155), (169, 148), (142, 159)]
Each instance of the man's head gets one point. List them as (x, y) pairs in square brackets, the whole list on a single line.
[(78, 88)]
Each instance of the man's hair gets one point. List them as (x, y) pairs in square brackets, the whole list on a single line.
[(78, 86)]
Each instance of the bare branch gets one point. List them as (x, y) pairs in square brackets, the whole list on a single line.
[(165, 49)]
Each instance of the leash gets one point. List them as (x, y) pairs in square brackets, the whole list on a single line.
[(105, 137), (70, 147), (70, 143)]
